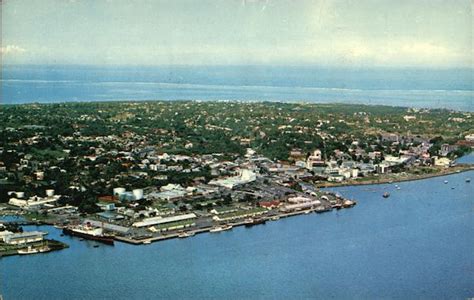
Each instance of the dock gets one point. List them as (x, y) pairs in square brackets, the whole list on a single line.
[(131, 240)]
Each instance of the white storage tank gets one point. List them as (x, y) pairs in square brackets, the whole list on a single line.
[(20, 194), (50, 193), (248, 175), (119, 190), (137, 194)]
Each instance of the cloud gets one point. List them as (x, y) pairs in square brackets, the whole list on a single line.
[(11, 50), (388, 52)]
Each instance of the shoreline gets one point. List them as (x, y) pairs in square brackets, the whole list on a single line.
[(375, 181), (54, 245), (411, 177), (175, 235)]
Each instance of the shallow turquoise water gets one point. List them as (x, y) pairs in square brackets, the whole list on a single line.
[(416, 244), (397, 87)]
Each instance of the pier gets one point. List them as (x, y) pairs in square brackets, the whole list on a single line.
[(131, 240)]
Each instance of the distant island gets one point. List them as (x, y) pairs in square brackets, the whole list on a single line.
[(138, 172)]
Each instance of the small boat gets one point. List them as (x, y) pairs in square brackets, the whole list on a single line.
[(275, 218), (220, 228), (348, 203), (445, 182), (468, 180), (307, 212), (321, 209), (251, 222), (44, 249), (147, 242), (29, 250), (58, 226), (386, 195), (96, 246), (183, 235), (337, 206), (398, 187)]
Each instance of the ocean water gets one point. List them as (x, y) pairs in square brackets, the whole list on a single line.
[(419, 243), (452, 89)]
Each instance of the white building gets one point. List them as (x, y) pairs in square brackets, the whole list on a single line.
[(469, 137), (442, 162), (314, 159), (160, 220), (34, 202), (22, 237), (246, 176)]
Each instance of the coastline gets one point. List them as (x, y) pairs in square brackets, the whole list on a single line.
[(407, 177), (376, 223), (174, 235), (388, 178), (53, 245)]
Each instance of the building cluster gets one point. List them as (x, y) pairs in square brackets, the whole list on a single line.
[(151, 168)]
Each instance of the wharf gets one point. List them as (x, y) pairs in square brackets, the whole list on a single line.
[(398, 177), (132, 241)]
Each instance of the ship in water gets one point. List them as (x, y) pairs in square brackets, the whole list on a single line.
[(348, 203), (29, 250), (220, 228), (182, 235), (87, 231), (251, 221), (386, 195)]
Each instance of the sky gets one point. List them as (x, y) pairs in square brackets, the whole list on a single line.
[(416, 33)]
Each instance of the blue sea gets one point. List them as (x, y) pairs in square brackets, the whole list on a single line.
[(421, 88), (417, 244)]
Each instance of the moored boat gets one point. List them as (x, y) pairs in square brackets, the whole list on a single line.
[(251, 222), (321, 209), (468, 179), (90, 233), (44, 249), (386, 195), (348, 203), (183, 235), (29, 250), (220, 228)]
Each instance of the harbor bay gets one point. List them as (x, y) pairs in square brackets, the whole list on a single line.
[(417, 243)]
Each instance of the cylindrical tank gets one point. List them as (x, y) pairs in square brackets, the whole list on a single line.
[(50, 193), (119, 190), (137, 194), (20, 194)]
